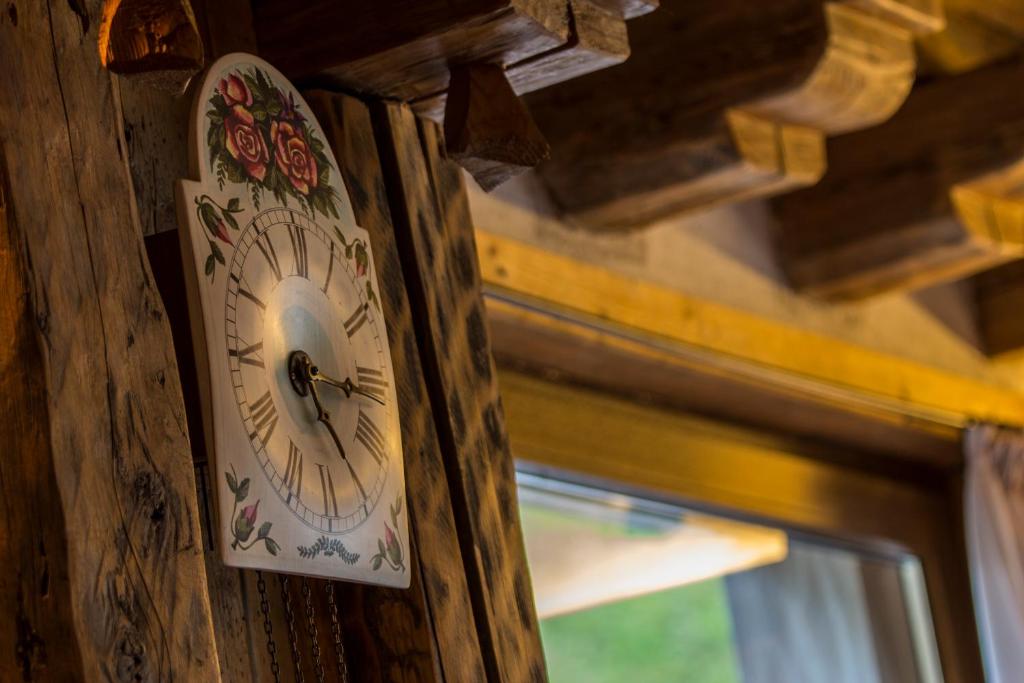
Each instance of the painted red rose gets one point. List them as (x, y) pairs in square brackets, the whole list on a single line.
[(245, 142), (293, 156), (234, 91)]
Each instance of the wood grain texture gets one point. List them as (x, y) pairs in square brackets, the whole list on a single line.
[(488, 130), (35, 588), (944, 169), (156, 121), (400, 633), (154, 40), (729, 340), (597, 39), (402, 49), (743, 111), (120, 452), (435, 236)]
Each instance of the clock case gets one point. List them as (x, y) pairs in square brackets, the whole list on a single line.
[(381, 542)]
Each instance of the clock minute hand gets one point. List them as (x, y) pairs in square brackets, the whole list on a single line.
[(323, 417)]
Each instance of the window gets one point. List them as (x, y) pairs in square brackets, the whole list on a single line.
[(630, 589)]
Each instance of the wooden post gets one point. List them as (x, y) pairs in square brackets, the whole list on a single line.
[(435, 237), (130, 567)]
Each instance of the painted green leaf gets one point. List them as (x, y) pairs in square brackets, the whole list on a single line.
[(210, 263), (232, 482), (377, 560), (264, 530), (217, 253), (243, 490), (231, 220), (380, 546), (272, 546), (233, 205)]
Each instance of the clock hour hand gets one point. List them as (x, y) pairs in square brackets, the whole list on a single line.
[(304, 379), (312, 374)]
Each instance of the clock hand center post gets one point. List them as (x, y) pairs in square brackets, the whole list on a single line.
[(304, 375)]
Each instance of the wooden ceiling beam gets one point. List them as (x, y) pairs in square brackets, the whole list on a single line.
[(410, 50), (999, 296), (721, 101), (932, 195)]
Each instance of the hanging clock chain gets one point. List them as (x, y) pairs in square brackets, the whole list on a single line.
[(307, 597), (268, 628), (339, 646), (289, 618)]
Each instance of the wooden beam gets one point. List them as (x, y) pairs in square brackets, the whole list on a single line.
[(435, 235), (692, 124), (597, 40), (402, 49), (972, 38), (731, 342), (156, 40), (1000, 299), (131, 568), (487, 129), (442, 613), (944, 168)]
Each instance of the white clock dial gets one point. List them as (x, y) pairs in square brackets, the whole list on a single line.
[(290, 289)]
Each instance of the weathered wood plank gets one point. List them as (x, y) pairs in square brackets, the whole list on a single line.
[(120, 452), (400, 632), (938, 168), (402, 49), (435, 235), (156, 121), (488, 130), (719, 101), (35, 591)]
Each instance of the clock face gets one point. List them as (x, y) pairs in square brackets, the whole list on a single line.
[(300, 411), (291, 289)]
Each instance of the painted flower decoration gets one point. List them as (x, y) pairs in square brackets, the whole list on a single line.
[(389, 548), (293, 156), (257, 136), (246, 522), (245, 519), (245, 142), (234, 91)]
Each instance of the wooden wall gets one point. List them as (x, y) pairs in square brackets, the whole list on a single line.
[(113, 574)]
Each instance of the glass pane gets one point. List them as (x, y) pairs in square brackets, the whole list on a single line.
[(630, 589)]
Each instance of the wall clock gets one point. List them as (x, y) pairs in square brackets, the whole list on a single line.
[(299, 401)]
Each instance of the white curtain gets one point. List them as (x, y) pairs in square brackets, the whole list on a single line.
[(994, 519)]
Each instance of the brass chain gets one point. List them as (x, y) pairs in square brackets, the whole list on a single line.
[(307, 597), (339, 647), (268, 628), (289, 618)]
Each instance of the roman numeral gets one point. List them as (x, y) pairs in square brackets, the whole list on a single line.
[(301, 255), (327, 484), (368, 435), (356, 320), (266, 247), (246, 293), (293, 473), (330, 268), (250, 355), (371, 381), (264, 417)]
